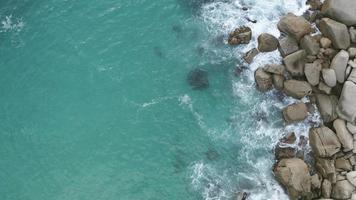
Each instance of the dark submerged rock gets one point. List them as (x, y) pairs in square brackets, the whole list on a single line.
[(198, 79)]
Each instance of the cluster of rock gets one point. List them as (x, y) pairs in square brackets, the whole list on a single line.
[(322, 66)]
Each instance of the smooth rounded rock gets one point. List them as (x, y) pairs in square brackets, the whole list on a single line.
[(339, 64), (329, 77), (324, 142), (267, 42)]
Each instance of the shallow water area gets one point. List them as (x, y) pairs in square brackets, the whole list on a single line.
[(94, 102)]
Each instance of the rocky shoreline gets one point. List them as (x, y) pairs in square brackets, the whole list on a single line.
[(319, 62)]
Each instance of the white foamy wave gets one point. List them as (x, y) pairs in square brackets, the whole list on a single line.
[(9, 23)]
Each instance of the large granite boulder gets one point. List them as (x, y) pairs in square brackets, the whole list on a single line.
[(312, 72), (294, 175), (329, 77), (295, 112), (342, 190), (345, 137), (295, 63), (267, 42), (347, 102), (324, 142), (339, 64), (310, 45), (336, 32), (250, 55), (326, 188), (263, 80), (294, 26), (327, 106), (241, 35), (287, 45), (341, 10), (352, 32), (297, 89)]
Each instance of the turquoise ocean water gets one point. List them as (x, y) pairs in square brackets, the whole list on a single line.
[(94, 103)]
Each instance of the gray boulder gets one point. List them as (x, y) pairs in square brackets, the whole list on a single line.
[(342, 164), (263, 80), (345, 137), (324, 142), (339, 64), (342, 190), (294, 175), (267, 42), (341, 10), (297, 89), (312, 72), (336, 32), (327, 107), (295, 112), (295, 63), (347, 104), (287, 45), (310, 45), (352, 75), (294, 26), (329, 77)]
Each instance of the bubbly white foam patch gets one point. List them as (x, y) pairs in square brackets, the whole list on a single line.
[(10, 23), (258, 128)]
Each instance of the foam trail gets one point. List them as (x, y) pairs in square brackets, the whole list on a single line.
[(258, 128)]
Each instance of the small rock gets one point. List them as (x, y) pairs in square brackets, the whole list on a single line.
[(275, 69), (312, 72), (345, 137), (284, 152), (326, 188), (351, 177), (241, 35), (339, 64), (263, 80), (295, 112), (336, 32), (250, 55), (347, 107), (267, 42), (314, 4), (352, 31), (294, 26), (295, 63), (324, 142), (325, 42), (324, 88), (352, 52), (289, 138), (242, 196), (278, 81), (297, 89), (350, 127), (329, 77), (310, 45), (287, 45), (342, 164)]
